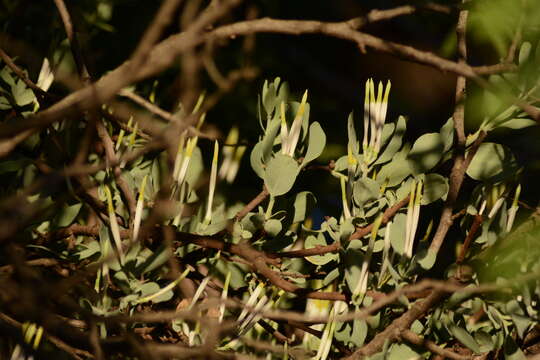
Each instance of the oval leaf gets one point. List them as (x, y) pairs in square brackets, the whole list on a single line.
[(426, 153), (313, 241), (316, 143), (280, 174), (435, 188), (491, 161), (395, 142), (518, 123), (365, 190), (465, 338)]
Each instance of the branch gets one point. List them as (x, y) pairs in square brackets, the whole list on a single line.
[(252, 204), (73, 41), (112, 158), (38, 92), (456, 179), (358, 234), (164, 54), (477, 222), (459, 167), (152, 34), (376, 15), (387, 216), (417, 340), (259, 262), (398, 326), (60, 344)]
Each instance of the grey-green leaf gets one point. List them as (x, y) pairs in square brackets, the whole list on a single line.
[(465, 338), (359, 332), (435, 188), (518, 123), (272, 227), (316, 143), (395, 171), (351, 132), (303, 203), (447, 134), (319, 240), (67, 214), (395, 143), (426, 152), (365, 190), (397, 239), (256, 160), (491, 162), (280, 174)]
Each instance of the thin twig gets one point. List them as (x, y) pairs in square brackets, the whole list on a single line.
[(164, 53), (458, 168), (387, 216), (73, 41), (74, 353), (417, 340), (252, 204), (40, 94)]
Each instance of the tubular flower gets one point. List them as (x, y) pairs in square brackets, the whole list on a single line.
[(290, 137), (375, 108)]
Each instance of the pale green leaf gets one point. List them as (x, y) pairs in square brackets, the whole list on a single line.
[(319, 240), (256, 160), (67, 214), (364, 190), (395, 171), (447, 134), (402, 352), (397, 237), (280, 174), (490, 161), (426, 152), (316, 143), (435, 188), (303, 203), (524, 52), (518, 123), (395, 143), (464, 337)]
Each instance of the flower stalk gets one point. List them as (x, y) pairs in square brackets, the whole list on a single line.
[(164, 289), (361, 287)]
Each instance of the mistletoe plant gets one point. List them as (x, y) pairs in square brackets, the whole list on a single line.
[(248, 278)]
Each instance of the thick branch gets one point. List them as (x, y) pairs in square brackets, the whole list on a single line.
[(396, 328), (458, 169), (164, 54)]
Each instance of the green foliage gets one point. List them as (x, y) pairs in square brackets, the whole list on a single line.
[(140, 250)]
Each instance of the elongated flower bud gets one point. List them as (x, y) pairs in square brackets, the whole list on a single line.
[(296, 127), (114, 226), (212, 185)]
